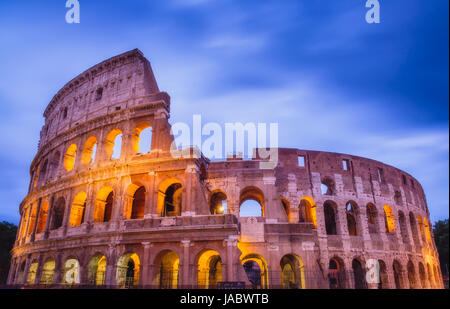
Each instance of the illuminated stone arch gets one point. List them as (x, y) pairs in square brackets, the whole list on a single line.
[(308, 211), (167, 263), (170, 196), (413, 224), (422, 275), (384, 278), (359, 273), (69, 157), (336, 273), (256, 269), (218, 203), (42, 218), (403, 227), (292, 272), (251, 193), (372, 218), (21, 275), (136, 142), (48, 272), (389, 220), (104, 204), (427, 228), (32, 270), (89, 151), (113, 144), (78, 209), (97, 270), (331, 217), (209, 269), (58, 213), (128, 268), (135, 197), (430, 276), (54, 164), (71, 271), (32, 218)]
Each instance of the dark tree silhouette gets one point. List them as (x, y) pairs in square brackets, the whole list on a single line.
[(441, 238), (7, 237)]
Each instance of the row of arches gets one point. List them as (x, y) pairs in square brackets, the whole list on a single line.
[(140, 139)]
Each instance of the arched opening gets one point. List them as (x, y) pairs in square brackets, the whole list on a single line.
[(78, 209), (398, 198), (351, 211), (209, 271), (141, 139), (330, 217), (389, 220), (71, 272), (257, 271), (403, 227), (103, 205), (97, 270), (327, 186), (69, 157), (89, 151), (372, 218), (32, 219), (127, 274), (218, 203), (251, 202), (167, 276), (398, 278), (113, 144), (411, 275), (32, 270), (58, 214), (383, 283), (21, 273), (421, 227), (172, 200), (427, 230), (292, 272), (308, 211), (42, 218), (359, 275), (422, 275), (43, 172), (48, 272), (413, 224), (286, 207), (134, 202), (336, 273), (54, 164)]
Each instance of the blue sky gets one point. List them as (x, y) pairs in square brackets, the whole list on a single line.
[(331, 81)]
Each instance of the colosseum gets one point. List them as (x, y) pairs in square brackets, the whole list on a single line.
[(102, 212)]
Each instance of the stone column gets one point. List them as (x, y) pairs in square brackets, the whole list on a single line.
[(188, 205), (145, 264), (150, 202), (185, 282), (110, 275), (38, 213)]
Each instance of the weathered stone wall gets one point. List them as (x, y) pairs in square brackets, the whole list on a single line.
[(129, 101)]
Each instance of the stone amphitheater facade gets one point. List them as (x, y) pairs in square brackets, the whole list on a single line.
[(155, 221)]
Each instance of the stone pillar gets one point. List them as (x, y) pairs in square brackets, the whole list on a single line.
[(38, 213), (110, 275), (145, 264), (188, 205), (185, 282), (150, 201), (232, 270), (67, 211), (12, 267)]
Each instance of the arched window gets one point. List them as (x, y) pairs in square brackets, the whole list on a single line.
[(308, 211), (31, 277), (372, 218), (54, 164), (330, 217), (389, 219), (89, 151), (209, 270), (427, 230), (78, 209), (69, 157), (103, 205), (255, 267), (403, 227), (172, 200), (218, 203), (421, 227), (58, 214), (398, 277), (128, 267), (42, 219), (251, 202), (48, 272), (412, 223), (398, 198), (167, 277), (411, 275), (142, 138), (383, 283), (359, 275), (113, 144), (351, 212), (43, 172), (336, 274), (97, 270), (292, 272), (138, 206)]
